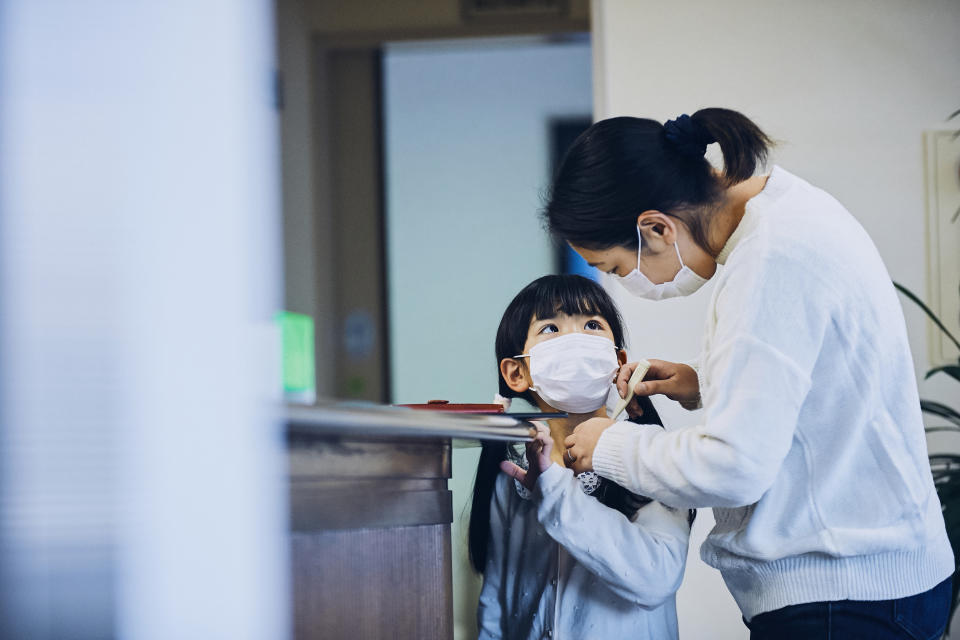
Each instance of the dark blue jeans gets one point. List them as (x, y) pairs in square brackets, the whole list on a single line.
[(919, 617)]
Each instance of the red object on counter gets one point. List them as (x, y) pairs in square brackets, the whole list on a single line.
[(445, 405)]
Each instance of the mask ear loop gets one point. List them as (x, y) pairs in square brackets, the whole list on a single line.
[(676, 246), (527, 355)]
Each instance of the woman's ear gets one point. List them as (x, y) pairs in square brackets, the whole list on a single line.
[(659, 230), (514, 375)]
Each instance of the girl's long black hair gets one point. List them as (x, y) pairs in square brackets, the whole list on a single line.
[(544, 298)]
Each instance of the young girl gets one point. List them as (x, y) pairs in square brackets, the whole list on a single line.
[(564, 556)]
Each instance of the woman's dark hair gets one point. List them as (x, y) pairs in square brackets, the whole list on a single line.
[(621, 167), (544, 298)]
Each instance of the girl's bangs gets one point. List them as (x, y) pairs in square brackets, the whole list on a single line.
[(573, 300)]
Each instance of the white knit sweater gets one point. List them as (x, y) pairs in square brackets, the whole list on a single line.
[(811, 449)]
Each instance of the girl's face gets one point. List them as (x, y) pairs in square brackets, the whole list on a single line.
[(516, 371), (542, 329)]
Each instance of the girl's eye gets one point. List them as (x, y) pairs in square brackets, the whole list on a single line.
[(593, 325), (548, 328), (613, 272)]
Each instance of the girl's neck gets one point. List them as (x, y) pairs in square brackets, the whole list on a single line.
[(560, 428)]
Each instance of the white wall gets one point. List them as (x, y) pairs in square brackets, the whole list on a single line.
[(847, 87), (467, 153)]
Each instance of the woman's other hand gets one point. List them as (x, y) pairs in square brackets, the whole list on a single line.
[(675, 380), (538, 457)]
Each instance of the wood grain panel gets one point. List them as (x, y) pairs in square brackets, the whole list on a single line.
[(345, 458), (370, 584), (351, 507)]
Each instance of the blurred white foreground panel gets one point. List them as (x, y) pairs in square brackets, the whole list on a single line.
[(141, 469)]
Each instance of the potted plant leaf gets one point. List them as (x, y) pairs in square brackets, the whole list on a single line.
[(945, 466)]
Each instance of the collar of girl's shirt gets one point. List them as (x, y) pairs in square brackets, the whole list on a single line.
[(589, 481)]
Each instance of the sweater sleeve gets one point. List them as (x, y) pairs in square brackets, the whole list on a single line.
[(641, 561), (489, 607), (771, 319)]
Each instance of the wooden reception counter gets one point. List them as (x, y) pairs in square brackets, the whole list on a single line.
[(370, 516)]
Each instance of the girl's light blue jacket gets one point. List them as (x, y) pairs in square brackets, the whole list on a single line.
[(564, 566)]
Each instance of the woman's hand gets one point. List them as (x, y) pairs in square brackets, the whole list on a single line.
[(581, 443), (675, 380), (538, 457)]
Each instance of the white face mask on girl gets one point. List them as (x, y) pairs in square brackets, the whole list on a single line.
[(573, 372), (683, 284)]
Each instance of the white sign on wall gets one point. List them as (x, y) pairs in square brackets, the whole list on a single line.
[(943, 240)]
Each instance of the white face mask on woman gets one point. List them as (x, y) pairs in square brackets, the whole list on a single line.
[(573, 372), (683, 284)]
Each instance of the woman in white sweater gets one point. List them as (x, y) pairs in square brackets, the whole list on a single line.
[(811, 449)]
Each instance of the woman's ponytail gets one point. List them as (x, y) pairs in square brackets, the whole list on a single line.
[(743, 144)]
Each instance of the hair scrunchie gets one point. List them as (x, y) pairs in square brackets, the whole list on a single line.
[(687, 137)]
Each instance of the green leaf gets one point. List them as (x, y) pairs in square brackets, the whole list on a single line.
[(902, 289), (947, 480), (942, 427), (946, 472), (942, 410), (951, 370)]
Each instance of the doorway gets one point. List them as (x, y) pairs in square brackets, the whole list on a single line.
[(471, 133)]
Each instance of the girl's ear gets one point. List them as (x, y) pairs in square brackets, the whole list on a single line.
[(514, 375), (622, 356)]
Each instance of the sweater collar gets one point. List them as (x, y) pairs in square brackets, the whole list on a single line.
[(776, 184)]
